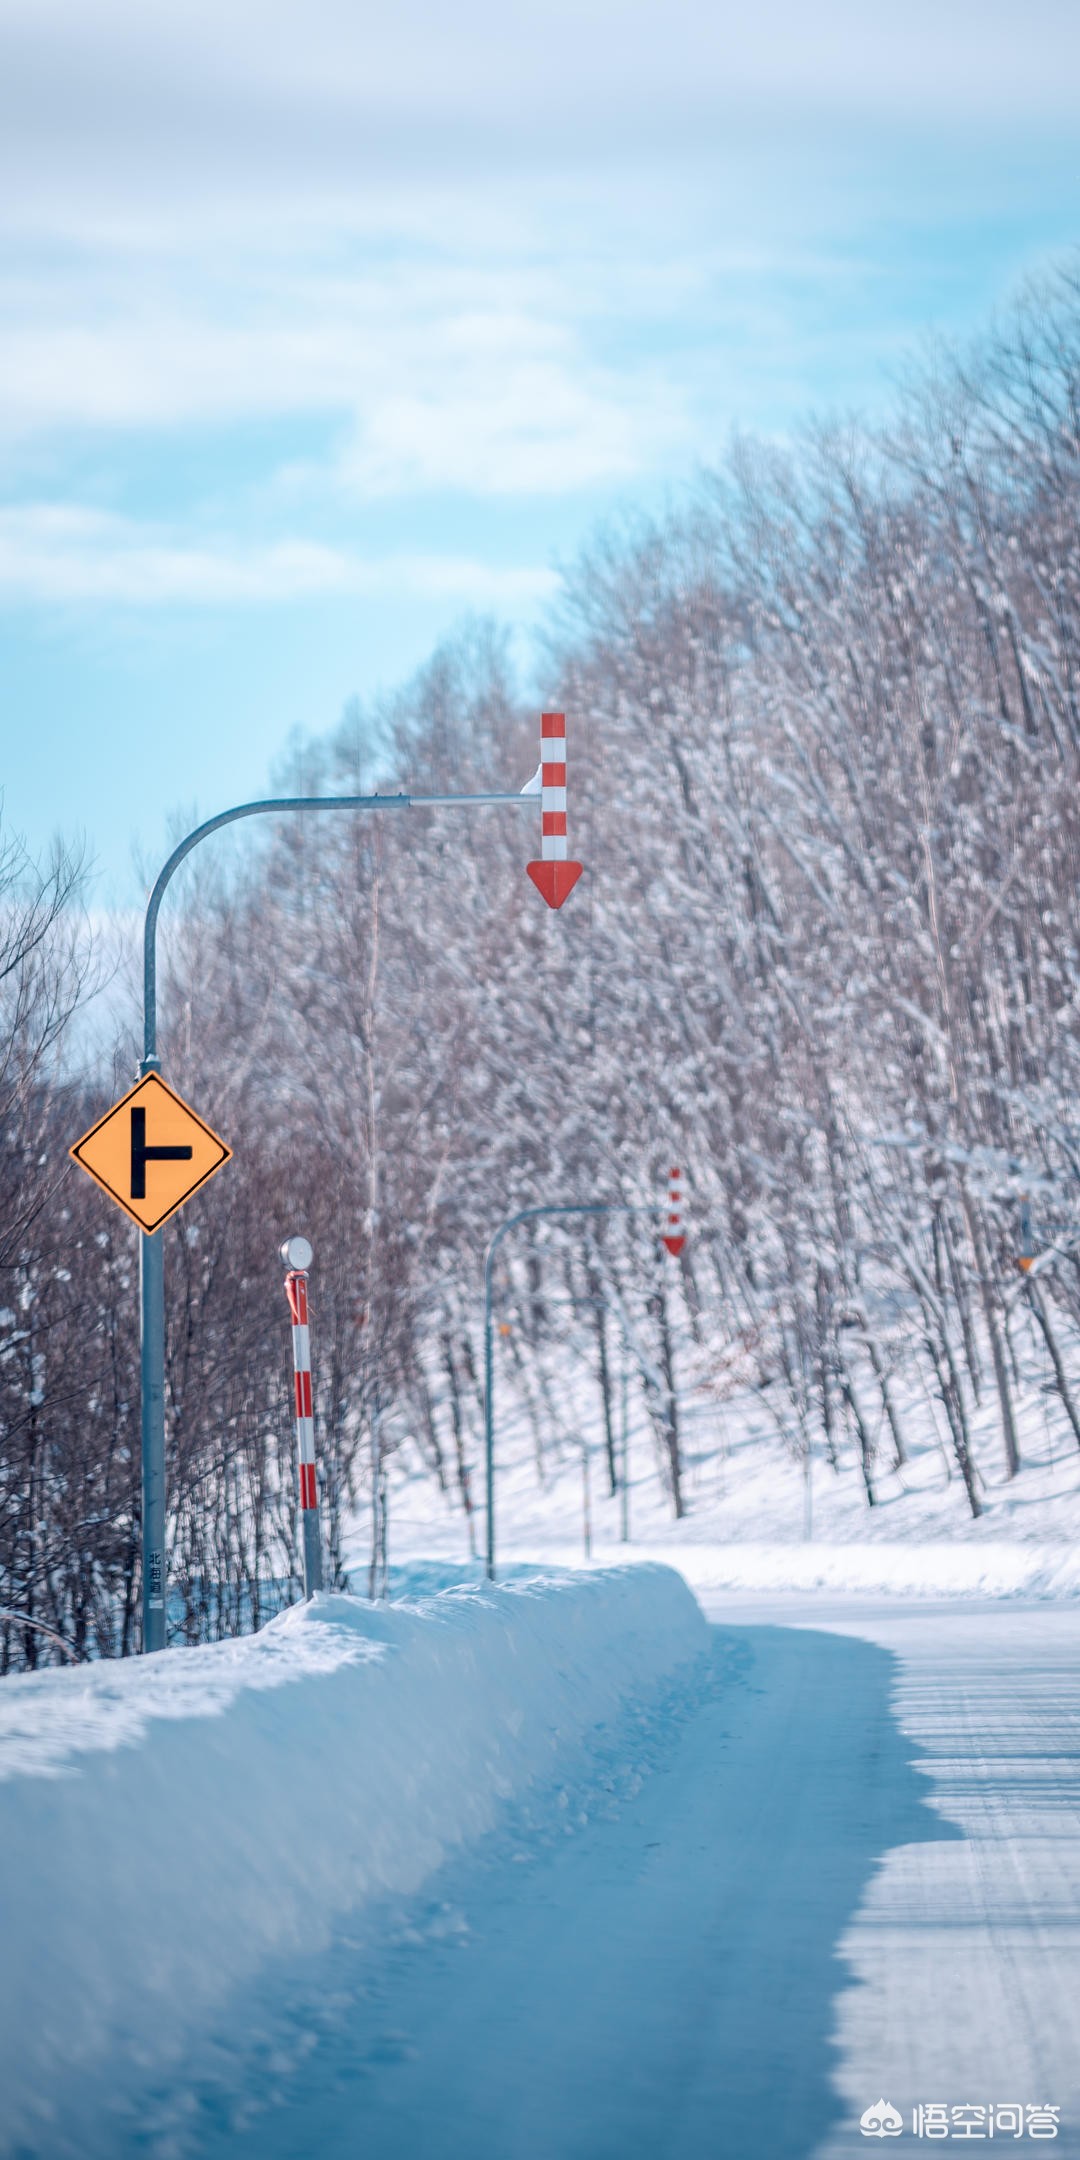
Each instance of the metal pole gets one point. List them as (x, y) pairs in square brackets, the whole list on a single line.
[(625, 1479), (277, 804), (384, 1529), (297, 1255), (376, 1502), (152, 1374), (489, 1415), (575, 1207), (152, 1405), (152, 1262)]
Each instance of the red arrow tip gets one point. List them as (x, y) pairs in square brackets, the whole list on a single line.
[(555, 880), (674, 1244)]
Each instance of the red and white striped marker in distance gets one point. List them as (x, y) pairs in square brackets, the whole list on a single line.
[(553, 876), (296, 1253), (675, 1234)]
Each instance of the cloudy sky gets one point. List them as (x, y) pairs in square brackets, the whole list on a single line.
[(325, 325)]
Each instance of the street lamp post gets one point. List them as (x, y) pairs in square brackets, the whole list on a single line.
[(151, 1257), (576, 1207)]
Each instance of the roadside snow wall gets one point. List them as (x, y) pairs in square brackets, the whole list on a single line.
[(168, 1824)]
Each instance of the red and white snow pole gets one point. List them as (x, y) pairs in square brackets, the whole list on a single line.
[(554, 875), (296, 1253), (674, 1236)]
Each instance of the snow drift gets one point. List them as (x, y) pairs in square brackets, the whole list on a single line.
[(168, 1825), (971, 1570)]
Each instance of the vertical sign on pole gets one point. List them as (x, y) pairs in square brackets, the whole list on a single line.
[(150, 1153), (675, 1234), (553, 876), (296, 1253)]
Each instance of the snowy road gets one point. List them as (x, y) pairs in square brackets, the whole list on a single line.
[(847, 1867)]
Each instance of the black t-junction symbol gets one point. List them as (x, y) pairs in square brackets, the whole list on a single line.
[(141, 1154)]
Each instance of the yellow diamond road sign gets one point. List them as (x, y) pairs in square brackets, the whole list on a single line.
[(150, 1152)]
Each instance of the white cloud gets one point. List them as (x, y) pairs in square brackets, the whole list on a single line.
[(493, 252), (62, 553), (496, 404), (440, 375)]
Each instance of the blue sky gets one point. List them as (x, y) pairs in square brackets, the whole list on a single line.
[(323, 327)]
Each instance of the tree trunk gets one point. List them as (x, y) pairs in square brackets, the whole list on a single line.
[(866, 1452), (954, 1410), (671, 1408), (605, 1391), (895, 1427), (1043, 1318), (1008, 1422)]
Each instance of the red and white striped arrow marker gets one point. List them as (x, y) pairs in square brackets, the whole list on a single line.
[(553, 876), (296, 1252), (675, 1234)]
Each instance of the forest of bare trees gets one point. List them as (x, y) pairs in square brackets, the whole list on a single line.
[(825, 749)]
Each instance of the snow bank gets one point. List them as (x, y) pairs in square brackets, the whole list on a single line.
[(167, 1825), (993, 1568), (989, 1570)]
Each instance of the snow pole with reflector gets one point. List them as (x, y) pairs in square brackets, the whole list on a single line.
[(675, 1235), (296, 1253), (554, 876)]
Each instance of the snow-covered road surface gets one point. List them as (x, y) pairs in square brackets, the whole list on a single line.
[(844, 1866)]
